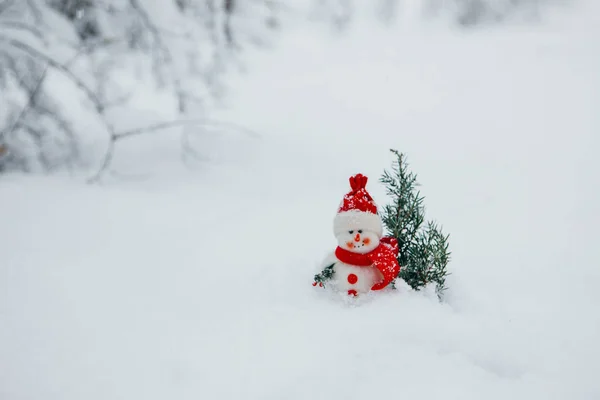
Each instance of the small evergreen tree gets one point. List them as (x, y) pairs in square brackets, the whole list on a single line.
[(423, 248)]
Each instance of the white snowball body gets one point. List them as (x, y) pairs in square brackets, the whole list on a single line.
[(352, 278), (348, 277)]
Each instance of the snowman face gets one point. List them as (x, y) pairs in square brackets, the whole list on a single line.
[(358, 241)]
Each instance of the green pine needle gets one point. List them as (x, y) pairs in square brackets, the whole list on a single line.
[(324, 275), (423, 249)]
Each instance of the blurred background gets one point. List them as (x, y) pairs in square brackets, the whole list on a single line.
[(76, 75)]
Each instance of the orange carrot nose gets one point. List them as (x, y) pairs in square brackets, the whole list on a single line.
[(357, 237)]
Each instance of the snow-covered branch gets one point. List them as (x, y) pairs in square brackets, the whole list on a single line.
[(90, 44)]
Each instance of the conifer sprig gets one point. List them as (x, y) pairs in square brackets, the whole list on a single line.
[(423, 249)]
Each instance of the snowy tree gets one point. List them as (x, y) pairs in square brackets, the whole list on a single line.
[(84, 46)]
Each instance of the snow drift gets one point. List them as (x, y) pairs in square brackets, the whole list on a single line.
[(197, 283)]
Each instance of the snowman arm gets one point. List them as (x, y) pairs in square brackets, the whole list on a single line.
[(325, 270)]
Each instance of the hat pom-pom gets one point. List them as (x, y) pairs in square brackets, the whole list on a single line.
[(358, 182)]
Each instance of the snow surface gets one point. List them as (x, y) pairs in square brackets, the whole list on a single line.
[(196, 283)]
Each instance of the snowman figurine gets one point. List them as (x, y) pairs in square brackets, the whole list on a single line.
[(363, 260)]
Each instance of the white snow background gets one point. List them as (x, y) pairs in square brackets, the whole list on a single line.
[(178, 283)]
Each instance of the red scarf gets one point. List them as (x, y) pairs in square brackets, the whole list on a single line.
[(348, 257), (383, 257)]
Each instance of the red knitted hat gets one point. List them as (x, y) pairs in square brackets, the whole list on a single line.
[(357, 209)]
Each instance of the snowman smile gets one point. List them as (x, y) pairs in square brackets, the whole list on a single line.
[(355, 246)]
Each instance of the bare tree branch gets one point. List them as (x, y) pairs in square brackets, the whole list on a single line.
[(157, 127), (115, 137), (109, 155), (172, 124), (57, 65), (17, 25)]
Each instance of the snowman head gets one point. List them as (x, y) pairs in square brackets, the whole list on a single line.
[(357, 226), (358, 241)]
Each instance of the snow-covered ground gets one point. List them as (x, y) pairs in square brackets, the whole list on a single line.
[(196, 284)]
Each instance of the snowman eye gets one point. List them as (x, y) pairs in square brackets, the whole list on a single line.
[(360, 231), (351, 232)]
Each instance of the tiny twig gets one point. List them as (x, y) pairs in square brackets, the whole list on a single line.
[(27, 106)]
